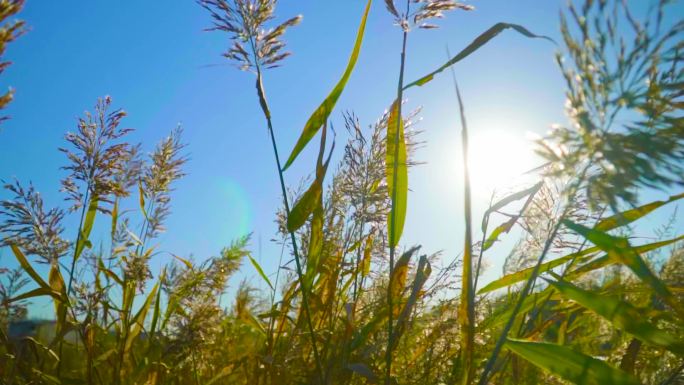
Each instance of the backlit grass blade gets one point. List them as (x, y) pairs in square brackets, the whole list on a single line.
[(423, 272), (606, 260), (399, 199), (524, 274), (585, 255), (57, 284), (26, 265), (570, 364), (629, 216), (115, 218), (184, 261), (259, 270), (315, 238), (400, 273), (516, 196), (367, 250), (39, 292), (499, 230), (139, 318), (621, 314), (508, 225), (112, 275), (83, 239), (480, 41), (319, 117), (157, 306), (311, 198), (619, 249), (466, 309), (304, 206)]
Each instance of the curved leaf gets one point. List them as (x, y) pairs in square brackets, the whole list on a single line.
[(39, 292), (508, 225), (26, 265), (605, 260), (321, 114), (367, 250), (569, 364), (619, 249), (139, 318), (480, 41), (400, 273), (523, 274), (260, 271), (629, 216), (423, 272), (516, 196), (311, 199), (84, 238), (57, 284), (621, 314), (400, 195)]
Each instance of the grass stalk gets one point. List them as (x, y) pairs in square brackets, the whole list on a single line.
[(392, 235), (86, 204), (572, 190), (485, 227), (467, 305), (293, 239)]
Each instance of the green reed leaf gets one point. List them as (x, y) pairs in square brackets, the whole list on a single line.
[(112, 275), (84, 238), (184, 261), (304, 206), (157, 306), (399, 275), (570, 364), (367, 252), (629, 216), (57, 284), (319, 117), (138, 319), (259, 270), (621, 314), (315, 238), (606, 260), (399, 202), (423, 272), (115, 218), (480, 41), (141, 199), (501, 229), (516, 196), (524, 274), (26, 265), (619, 250), (311, 199), (38, 292)]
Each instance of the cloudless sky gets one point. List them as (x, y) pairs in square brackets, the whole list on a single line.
[(158, 64)]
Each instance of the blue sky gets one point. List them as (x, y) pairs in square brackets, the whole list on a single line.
[(157, 63)]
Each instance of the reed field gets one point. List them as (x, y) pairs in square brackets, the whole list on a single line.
[(584, 298)]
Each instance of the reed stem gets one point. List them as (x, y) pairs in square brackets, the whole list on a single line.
[(293, 239)]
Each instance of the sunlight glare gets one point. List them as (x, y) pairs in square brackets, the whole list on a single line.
[(498, 159)]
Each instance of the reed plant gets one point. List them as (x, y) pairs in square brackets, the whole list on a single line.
[(581, 300)]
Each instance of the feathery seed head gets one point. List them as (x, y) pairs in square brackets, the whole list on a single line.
[(253, 46)]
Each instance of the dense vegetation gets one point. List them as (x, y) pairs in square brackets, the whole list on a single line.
[(581, 300)]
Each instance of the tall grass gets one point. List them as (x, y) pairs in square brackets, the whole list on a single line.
[(582, 298)]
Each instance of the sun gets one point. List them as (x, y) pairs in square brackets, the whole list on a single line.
[(498, 159)]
